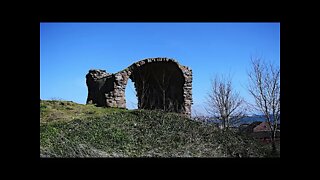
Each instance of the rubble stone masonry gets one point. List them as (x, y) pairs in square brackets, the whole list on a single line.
[(160, 83)]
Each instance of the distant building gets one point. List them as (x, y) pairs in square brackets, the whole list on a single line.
[(248, 128), (259, 130), (264, 126)]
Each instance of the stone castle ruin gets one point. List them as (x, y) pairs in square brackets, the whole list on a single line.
[(160, 83)]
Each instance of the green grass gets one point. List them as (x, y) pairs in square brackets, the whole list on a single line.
[(68, 129), (68, 110)]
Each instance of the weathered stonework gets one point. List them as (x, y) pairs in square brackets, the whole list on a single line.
[(160, 83)]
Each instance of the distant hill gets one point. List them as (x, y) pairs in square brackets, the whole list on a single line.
[(253, 118), (69, 129), (245, 120)]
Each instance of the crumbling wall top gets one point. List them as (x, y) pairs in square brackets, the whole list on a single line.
[(96, 74)]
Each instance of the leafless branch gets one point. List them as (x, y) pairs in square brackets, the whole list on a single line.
[(264, 87), (224, 103)]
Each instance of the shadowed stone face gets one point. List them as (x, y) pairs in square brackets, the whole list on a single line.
[(160, 83), (99, 82)]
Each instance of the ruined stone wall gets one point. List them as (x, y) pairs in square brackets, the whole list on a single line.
[(160, 83)]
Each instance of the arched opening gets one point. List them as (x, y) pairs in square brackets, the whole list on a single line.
[(159, 85), (131, 95)]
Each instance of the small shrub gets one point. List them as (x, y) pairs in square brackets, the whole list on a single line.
[(89, 112), (69, 108)]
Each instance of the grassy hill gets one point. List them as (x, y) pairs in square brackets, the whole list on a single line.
[(68, 129)]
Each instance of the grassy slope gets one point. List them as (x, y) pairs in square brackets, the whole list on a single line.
[(73, 130)]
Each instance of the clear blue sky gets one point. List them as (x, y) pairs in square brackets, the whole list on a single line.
[(69, 50)]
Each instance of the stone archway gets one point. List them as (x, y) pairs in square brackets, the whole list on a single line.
[(160, 83)]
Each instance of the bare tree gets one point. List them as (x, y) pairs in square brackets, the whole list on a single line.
[(223, 103), (143, 89), (264, 86), (163, 84)]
